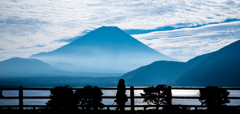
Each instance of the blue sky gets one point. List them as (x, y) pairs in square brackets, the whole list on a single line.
[(181, 29)]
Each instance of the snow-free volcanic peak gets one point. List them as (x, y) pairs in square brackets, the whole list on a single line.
[(107, 49)]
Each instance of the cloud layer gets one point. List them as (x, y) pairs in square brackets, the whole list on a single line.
[(187, 43), (29, 27)]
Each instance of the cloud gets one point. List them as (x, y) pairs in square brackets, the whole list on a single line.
[(184, 44), (28, 24)]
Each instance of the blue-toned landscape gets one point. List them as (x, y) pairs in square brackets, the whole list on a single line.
[(107, 54), (148, 48), (178, 43)]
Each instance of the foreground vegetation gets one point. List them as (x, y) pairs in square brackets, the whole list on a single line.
[(150, 111), (89, 100)]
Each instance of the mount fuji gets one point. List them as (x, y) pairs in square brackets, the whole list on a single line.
[(107, 49)]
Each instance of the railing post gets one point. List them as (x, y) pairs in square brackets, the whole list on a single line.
[(132, 97), (95, 107), (20, 98), (169, 95)]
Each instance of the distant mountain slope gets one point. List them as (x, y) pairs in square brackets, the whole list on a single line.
[(161, 71), (16, 65), (221, 68), (65, 66), (106, 49), (157, 72), (188, 65)]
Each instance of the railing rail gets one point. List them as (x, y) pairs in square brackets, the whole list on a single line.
[(131, 97)]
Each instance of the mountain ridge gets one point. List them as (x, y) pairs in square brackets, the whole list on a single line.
[(102, 50), (221, 68), (16, 66), (162, 71)]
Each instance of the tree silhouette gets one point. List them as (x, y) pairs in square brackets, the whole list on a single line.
[(158, 95), (62, 98), (213, 96), (90, 97)]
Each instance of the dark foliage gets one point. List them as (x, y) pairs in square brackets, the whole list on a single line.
[(62, 98), (90, 97), (213, 96), (158, 95)]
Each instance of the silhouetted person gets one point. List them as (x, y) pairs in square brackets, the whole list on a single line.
[(121, 97)]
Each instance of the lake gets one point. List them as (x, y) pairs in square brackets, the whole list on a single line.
[(12, 93)]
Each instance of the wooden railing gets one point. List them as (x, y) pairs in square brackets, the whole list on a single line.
[(131, 97)]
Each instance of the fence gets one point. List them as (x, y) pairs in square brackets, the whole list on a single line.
[(131, 97)]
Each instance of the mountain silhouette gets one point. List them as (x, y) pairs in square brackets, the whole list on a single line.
[(155, 72), (221, 68), (21, 66), (161, 71), (106, 49)]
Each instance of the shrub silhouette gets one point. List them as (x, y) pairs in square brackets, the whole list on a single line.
[(90, 97), (213, 96), (62, 98), (158, 95)]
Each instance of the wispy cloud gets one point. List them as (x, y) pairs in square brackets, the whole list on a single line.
[(184, 44), (26, 25)]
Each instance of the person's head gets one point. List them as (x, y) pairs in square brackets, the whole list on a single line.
[(121, 82)]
